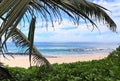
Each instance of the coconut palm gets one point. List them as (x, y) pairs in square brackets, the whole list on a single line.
[(14, 12)]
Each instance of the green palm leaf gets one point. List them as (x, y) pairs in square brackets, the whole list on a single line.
[(20, 40), (14, 14), (31, 37), (85, 10)]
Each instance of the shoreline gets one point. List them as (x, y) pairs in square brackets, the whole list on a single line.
[(23, 60)]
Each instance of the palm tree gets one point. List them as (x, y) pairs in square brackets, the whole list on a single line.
[(12, 12)]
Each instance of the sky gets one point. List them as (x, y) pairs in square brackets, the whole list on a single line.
[(68, 32)]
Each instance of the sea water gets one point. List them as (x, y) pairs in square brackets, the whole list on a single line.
[(68, 48)]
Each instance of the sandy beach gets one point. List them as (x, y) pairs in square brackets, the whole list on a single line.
[(22, 61)]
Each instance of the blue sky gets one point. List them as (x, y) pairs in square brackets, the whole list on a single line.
[(68, 32)]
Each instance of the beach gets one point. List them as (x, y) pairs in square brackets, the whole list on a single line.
[(60, 52), (23, 61)]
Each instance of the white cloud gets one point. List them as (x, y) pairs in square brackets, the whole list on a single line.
[(67, 31), (79, 34)]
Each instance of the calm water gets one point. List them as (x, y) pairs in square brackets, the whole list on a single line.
[(68, 49)]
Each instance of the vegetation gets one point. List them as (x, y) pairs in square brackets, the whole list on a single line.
[(107, 69), (14, 12)]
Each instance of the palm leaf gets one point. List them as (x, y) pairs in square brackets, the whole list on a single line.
[(5, 6), (14, 14), (10, 28), (31, 37), (77, 9), (20, 40)]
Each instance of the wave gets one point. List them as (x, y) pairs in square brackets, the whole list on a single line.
[(74, 49), (52, 49)]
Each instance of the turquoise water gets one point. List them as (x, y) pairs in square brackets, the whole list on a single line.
[(68, 49)]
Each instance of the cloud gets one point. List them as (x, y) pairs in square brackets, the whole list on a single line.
[(68, 32), (71, 33)]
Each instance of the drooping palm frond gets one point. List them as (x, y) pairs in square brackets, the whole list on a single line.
[(75, 9), (20, 40), (78, 9), (14, 15), (11, 18), (31, 37)]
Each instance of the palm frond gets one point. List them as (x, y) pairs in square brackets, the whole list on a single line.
[(14, 14), (7, 26), (81, 9), (31, 37), (20, 40), (51, 9), (5, 6)]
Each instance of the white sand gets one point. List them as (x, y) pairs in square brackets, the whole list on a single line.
[(22, 61)]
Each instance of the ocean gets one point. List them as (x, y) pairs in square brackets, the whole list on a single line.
[(68, 48)]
